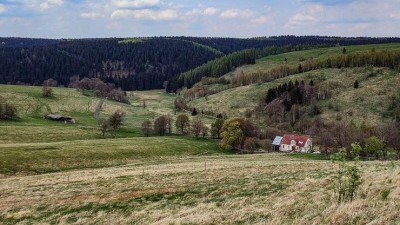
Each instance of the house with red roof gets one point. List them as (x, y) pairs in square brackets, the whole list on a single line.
[(295, 143)]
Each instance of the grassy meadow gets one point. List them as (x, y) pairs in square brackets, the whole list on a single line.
[(216, 189), (31, 127)]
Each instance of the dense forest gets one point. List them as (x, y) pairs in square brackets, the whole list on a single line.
[(144, 63), (130, 65)]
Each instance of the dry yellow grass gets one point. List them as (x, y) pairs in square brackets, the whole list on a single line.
[(239, 189)]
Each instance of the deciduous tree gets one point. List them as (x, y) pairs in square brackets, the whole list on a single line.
[(374, 146), (216, 128), (115, 121), (232, 134), (182, 123)]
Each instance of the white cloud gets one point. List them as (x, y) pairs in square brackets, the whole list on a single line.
[(44, 4), (302, 19), (2, 8), (50, 3), (147, 14), (92, 15), (395, 16), (237, 13), (261, 20), (135, 3), (309, 15), (210, 11)]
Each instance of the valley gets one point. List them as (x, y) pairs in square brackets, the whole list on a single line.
[(53, 172)]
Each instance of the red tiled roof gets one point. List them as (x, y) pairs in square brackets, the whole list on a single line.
[(299, 139)]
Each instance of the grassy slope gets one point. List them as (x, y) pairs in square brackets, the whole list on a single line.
[(32, 106), (35, 145), (237, 189), (371, 100)]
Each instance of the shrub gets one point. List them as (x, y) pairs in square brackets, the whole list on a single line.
[(47, 91), (104, 127), (347, 177), (250, 144), (385, 194), (7, 111), (356, 84)]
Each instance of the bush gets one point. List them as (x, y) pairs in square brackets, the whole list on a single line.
[(356, 84), (7, 111), (347, 177), (385, 194), (47, 91), (250, 144)]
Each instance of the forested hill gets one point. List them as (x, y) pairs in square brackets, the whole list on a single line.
[(25, 42), (229, 45), (136, 63)]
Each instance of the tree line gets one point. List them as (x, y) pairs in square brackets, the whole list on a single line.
[(384, 58), (145, 64), (229, 45)]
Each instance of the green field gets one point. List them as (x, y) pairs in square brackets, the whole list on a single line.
[(31, 127), (37, 158), (33, 145), (220, 189)]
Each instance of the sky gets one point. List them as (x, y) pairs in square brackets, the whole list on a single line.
[(204, 18)]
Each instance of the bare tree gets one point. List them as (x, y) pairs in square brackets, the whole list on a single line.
[(50, 83), (204, 131), (390, 135), (169, 121), (160, 125), (327, 140), (196, 126), (250, 144), (104, 127), (99, 108), (146, 127)]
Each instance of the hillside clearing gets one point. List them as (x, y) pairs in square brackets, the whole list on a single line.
[(383, 83), (367, 103)]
